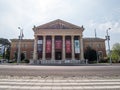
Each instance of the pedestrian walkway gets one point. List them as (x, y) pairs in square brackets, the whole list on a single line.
[(59, 84)]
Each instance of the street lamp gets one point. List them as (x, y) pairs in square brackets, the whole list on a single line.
[(97, 54), (108, 38), (19, 45)]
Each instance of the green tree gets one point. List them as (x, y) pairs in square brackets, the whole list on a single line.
[(7, 55), (90, 54), (22, 56), (6, 44), (4, 41), (115, 52)]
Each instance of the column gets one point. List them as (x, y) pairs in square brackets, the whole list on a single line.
[(35, 48), (73, 51), (44, 45), (81, 48), (63, 48), (53, 47)]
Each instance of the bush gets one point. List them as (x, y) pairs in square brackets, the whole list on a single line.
[(26, 60), (103, 61), (92, 62)]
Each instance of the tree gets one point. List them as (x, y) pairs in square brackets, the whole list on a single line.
[(116, 52), (4, 41), (22, 56), (90, 54), (6, 53)]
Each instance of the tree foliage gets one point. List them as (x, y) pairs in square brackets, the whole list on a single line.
[(22, 56), (116, 52), (6, 53), (4, 41), (90, 54)]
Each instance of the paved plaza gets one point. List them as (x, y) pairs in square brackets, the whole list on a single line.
[(32, 77)]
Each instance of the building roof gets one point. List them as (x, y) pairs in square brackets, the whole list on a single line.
[(93, 39), (58, 24), (24, 40)]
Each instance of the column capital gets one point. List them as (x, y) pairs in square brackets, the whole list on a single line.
[(72, 35), (63, 35), (53, 35), (81, 36), (44, 35), (35, 36)]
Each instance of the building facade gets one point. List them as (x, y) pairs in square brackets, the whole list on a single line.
[(27, 46), (56, 42)]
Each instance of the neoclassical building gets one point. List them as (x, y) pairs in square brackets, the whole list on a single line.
[(57, 42)]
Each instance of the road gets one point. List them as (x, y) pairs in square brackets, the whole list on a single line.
[(64, 71), (31, 77)]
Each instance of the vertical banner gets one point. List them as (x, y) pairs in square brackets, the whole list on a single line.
[(48, 46), (39, 41), (68, 46), (40, 47), (58, 44), (77, 46)]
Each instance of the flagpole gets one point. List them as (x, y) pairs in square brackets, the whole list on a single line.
[(96, 47)]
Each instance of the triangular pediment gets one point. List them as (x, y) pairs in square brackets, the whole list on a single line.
[(58, 24)]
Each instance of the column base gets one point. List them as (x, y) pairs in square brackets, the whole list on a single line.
[(66, 62), (35, 61)]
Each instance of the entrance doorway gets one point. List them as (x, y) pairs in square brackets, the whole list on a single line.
[(58, 55)]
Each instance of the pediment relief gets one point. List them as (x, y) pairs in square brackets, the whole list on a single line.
[(58, 24)]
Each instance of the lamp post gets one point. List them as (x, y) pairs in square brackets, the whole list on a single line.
[(97, 54), (108, 38), (19, 45)]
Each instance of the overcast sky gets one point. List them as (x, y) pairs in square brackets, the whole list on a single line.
[(92, 14)]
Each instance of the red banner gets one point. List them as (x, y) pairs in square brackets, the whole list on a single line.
[(68, 46), (48, 46), (58, 44)]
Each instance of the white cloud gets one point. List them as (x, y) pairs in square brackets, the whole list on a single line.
[(115, 26)]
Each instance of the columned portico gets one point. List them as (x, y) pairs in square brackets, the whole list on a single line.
[(59, 42)]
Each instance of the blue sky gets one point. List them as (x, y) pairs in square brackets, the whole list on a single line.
[(92, 14)]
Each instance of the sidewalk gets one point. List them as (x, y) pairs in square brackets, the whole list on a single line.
[(67, 64)]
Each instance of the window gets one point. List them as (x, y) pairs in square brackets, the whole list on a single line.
[(99, 45), (24, 45)]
